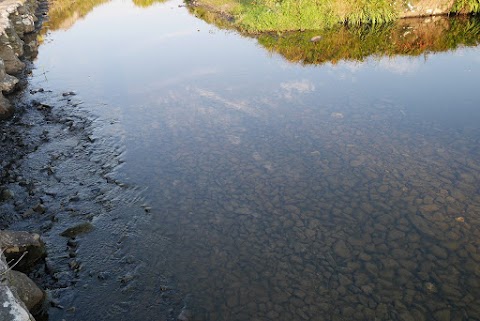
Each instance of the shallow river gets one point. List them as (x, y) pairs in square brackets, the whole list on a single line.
[(280, 189)]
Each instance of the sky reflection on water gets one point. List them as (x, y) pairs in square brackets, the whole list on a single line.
[(283, 191)]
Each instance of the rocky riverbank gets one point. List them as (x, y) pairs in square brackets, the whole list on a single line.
[(20, 250), (48, 144), (46, 147), (18, 293), (17, 20)]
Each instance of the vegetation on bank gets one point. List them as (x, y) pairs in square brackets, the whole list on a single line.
[(407, 37), (256, 16)]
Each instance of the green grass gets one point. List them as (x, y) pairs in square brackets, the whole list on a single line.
[(406, 37), (466, 6), (257, 16), (271, 15)]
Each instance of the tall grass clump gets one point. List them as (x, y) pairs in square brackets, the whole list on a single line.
[(464, 6), (370, 12), (280, 15)]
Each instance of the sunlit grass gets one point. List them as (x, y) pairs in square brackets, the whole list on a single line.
[(466, 6), (281, 15), (411, 37), (255, 16)]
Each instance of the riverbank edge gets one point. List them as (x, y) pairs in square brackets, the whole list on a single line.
[(18, 294), (17, 19), (228, 19)]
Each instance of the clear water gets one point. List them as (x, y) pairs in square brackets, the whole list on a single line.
[(281, 191)]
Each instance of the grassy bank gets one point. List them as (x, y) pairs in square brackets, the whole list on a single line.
[(406, 37), (255, 16)]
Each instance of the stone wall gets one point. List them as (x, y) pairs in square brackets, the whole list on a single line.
[(17, 18)]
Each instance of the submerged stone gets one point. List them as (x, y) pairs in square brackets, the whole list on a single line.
[(342, 250), (78, 229)]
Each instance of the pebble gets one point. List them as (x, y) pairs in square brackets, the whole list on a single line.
[(337, 115), (39, 208), (78, 229), (430, 287), (6, 195), (442, 315), (342, 250)]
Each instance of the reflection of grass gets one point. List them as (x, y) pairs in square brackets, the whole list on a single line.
[(406, 37), (146, 3), (64, 13)]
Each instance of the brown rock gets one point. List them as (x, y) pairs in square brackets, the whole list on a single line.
[(27, 290), (13, 65), (430, 208), (6, 109), (442, 315), (77, 229), (15, 243), (341, 249), (439, 252)]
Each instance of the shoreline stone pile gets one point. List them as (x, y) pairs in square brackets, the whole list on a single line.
[(17, 19), (18, 293)]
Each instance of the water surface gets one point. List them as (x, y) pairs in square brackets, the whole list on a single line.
[(283, 187)]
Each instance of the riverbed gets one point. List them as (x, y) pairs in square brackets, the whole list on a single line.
[(240, 181)]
